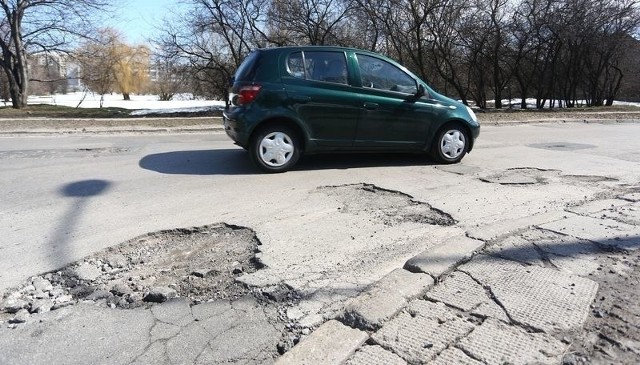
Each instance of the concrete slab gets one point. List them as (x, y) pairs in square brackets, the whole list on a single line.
[(442, 258), (606, 232), (543, 299), (453, 355), (375, 355), (420, 334), (597, 206), (459, 290), (545, 248), (385, 298), (494, 342), (504, 227), (516, 248), (331, 343), (566, 253)]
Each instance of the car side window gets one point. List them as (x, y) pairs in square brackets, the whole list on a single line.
[(324, 66), (295, 65), (379, 74)]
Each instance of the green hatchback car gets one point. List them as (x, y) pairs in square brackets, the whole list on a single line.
[(293, 100)]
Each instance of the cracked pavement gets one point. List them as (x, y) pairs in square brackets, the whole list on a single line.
[(174, 332), (552, 219)]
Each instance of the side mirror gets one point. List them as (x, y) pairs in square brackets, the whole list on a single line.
[(421, 91)]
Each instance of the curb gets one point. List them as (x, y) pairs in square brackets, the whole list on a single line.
[(112, 130), (331, 343), (384, 299), (442, 258), (556, 121)]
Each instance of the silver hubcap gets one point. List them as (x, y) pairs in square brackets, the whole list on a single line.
[(276, 149), (452, 144)]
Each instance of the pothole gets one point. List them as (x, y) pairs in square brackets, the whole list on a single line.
[(199, 263), (562, 146), (387, 206), (521, 176), (196, 265)]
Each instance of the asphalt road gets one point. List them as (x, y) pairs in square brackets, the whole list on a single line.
[(64, 197)]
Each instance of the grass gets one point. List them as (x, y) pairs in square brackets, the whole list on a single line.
[(56, 111)]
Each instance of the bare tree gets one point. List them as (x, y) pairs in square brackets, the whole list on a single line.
[(39, 25), (557, 51), (313, 22), (169, 77), (214, 37), (98, 59)]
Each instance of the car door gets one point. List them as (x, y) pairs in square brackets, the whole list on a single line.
[(394, 116), (318, 90)]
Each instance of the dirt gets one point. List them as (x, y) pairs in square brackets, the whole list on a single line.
[(611, 333)]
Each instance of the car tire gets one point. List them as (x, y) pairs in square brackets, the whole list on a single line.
[(275, 148), (451, 144)]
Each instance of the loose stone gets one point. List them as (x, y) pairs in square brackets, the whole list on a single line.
[(160, 295)]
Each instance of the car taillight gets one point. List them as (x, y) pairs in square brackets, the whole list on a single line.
[(247, 94)]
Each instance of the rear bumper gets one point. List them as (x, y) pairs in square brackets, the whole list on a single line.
[(235, 130)]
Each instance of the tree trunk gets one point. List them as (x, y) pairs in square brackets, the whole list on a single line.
[(18, 97), (18, 78), (126, 96)]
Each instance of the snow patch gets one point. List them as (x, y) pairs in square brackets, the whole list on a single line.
[(143, 104)]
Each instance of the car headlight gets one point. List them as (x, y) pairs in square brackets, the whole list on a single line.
[(472, 114)]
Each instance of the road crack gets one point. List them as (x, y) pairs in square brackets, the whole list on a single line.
[(492, 295)]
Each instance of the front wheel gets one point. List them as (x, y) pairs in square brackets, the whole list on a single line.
[(451, 144), (275, 148)]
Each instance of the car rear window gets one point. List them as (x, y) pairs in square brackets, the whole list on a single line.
[(247, 70)]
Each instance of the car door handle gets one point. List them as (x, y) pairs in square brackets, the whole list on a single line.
[(371, 106), (301, 99)]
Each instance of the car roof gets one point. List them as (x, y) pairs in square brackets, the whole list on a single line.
[(315, 48), (287, 49)]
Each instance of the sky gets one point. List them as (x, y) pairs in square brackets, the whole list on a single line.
[(138, 20)]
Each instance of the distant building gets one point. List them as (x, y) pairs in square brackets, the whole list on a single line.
[(53, 72)]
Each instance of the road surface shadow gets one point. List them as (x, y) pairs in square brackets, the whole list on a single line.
[(200, 162), (238, 162), (360, 160), (80, 193)]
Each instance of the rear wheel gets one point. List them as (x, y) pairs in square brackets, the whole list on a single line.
[(275, 148), (451, 144)]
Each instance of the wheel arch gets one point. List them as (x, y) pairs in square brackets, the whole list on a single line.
[(289, 122)]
